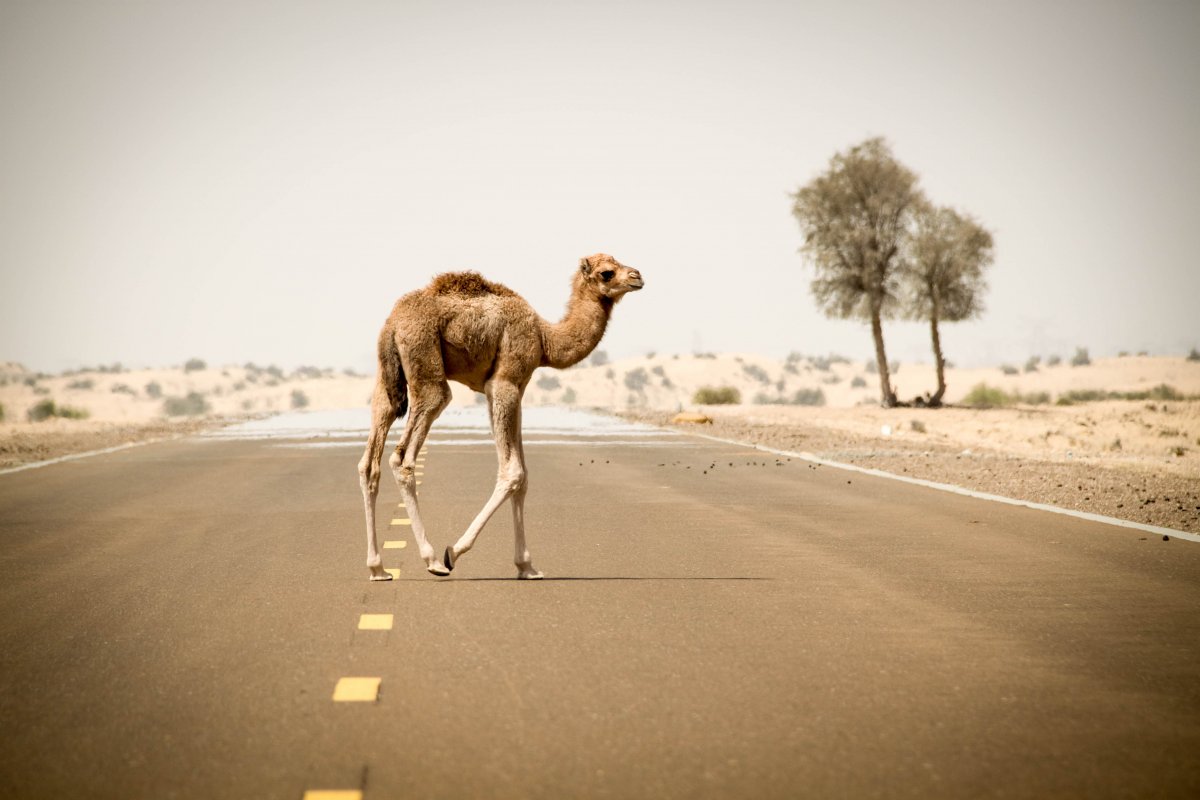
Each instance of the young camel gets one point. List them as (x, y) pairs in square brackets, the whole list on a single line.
[(465, 328)]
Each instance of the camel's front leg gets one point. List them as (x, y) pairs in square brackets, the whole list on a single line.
[(525, 570), (505, 407)]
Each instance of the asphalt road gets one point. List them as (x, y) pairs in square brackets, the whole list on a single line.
[(715, 622)]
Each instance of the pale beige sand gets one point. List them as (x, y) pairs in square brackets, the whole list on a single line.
[(1153, 444)]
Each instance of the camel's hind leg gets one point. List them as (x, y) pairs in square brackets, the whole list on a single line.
[(429, 399), (382, 417)]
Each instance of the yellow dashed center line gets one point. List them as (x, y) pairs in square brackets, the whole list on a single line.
[(402, 521), (356, 690), (333, 794), (375, 622), (395, 573), (395, 544)]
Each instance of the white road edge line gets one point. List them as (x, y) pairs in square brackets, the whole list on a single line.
[(88, 454), (948, 487)]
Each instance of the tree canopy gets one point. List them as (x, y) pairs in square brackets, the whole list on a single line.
[(944, 267)]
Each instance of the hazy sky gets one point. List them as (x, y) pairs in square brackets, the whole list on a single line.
[(260, 181)]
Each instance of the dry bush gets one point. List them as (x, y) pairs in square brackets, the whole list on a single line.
[(717, 396)]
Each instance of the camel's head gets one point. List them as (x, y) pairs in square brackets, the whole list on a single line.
[(608, 277)]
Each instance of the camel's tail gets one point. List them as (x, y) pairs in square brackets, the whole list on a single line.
[(391, 373)]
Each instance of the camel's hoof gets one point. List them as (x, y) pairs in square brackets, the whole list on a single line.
[(448, 559), (529, 574), (378, 574), (442, 569)]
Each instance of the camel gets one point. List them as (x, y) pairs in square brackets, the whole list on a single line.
[(463, 327)]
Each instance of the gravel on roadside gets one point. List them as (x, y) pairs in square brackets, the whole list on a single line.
[(1134, 493)]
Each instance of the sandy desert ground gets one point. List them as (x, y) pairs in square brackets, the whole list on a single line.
[(1131, 458)]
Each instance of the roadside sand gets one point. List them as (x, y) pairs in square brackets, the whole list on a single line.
[(1137, 460), (993, 451)]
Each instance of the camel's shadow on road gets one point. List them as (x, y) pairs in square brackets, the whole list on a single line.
[(585, 578)]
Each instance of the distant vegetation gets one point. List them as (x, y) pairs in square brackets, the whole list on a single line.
[(299, 399), (47, 409), (153, 390), (85, 383), (636, 379), (717, 396), (1053, 361), (192, 405), (881, 250), (756, 372), (1, 412), (1161, 392), (1081, 357), (1032, 364), (568, 397), (1194, 355), (548, 382), (1009, 369), (984, 396), (857, 382), (194, 365)]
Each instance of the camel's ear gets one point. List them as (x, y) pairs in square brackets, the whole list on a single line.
[(585, 266)]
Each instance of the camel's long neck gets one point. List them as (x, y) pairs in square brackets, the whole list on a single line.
[(570, 340)]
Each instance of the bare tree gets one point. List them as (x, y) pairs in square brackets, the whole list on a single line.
[(943, 274), (854, 218)]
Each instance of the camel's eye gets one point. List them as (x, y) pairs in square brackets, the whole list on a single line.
[(607, 275)]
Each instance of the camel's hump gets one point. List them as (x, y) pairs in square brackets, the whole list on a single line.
[(467, 284)]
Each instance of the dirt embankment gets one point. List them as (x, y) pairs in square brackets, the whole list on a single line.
[(25, 444), (1004, 452)]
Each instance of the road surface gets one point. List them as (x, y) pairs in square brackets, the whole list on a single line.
[(715, 622)]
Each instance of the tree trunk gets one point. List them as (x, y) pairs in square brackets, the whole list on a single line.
[(885, 383), (936, 400)]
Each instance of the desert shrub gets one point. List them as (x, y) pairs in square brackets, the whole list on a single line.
[(984, 396), (1081, 357), (350, 372), (85, 383), (1123, 354), (1193, 355), (608, 373), (790, 366), (1053, 361), (31, 380), (299, 399), (858, 382), (871, 366), (1009, 369), (756, 372), (705, 355), (271, 382), (658, 371), (123, 388), (568, 397), (308, 372), (1143, 352), (191, 405), (548, 382), (717, 396), (651, 354), (153, 390), (834, 358), (831, 379), (764, 399), (599, 358), (1, 412), (808, 397), (666, 382), (239, 386), (276, 373), (1163, 391), (636, 379), (918, 426), (194, 365), (820, 363), (1032, 364), (47, 409)]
